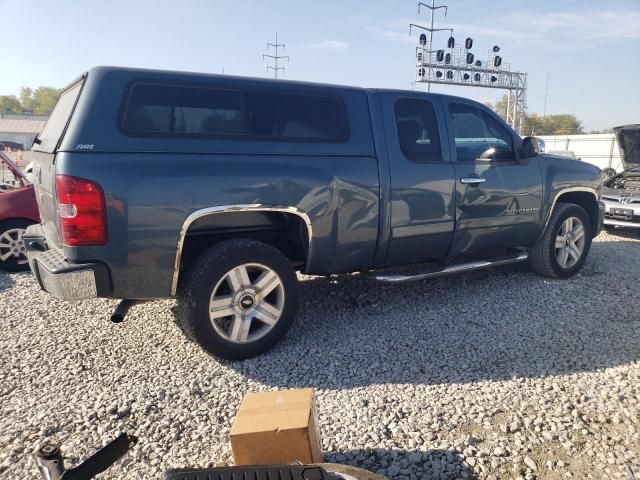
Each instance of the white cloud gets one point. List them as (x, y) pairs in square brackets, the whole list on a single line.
[(591, 22), (327, 45)]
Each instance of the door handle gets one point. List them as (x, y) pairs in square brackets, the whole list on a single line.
[(472, 180)]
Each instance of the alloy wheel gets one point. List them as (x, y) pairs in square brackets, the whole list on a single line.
[(570, 242), (246, 303), (12, 245)]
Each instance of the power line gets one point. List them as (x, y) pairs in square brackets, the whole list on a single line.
[(276, 46), (546, 94)]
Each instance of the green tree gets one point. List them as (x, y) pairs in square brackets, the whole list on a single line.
[(10, 104), (500, 107), (561, 124), (40, 101)]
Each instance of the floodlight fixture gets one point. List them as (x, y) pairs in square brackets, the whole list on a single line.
[(456, 64)]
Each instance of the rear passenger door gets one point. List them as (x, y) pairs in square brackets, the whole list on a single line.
[(421, 178)]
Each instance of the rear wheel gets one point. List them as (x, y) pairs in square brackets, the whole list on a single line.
[(239, 299), (13, 251), (564, 247)]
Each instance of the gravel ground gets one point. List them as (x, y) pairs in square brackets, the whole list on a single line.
[(491, 374)]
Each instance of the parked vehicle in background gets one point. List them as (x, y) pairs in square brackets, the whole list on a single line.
[(216, 189), (13, 146), (621, 193), (564, 153), (18, 210)]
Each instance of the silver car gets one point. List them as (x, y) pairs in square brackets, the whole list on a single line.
[(621, 193)]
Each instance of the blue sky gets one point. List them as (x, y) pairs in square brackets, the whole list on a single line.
[(590, 49)]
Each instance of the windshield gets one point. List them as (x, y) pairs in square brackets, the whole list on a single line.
[(53, 130)]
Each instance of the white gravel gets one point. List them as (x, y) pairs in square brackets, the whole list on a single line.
[(492, 374)]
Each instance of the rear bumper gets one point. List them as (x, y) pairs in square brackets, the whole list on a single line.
[(62, 279), (621, 215)]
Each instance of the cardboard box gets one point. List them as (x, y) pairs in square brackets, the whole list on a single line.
[(276, 427)]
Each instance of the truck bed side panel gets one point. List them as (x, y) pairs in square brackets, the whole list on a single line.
[(149, 197)]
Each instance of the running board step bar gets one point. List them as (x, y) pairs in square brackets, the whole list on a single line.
[(519, 256)]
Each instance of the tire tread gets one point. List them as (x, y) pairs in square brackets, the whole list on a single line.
[(199, 273), (541, 255)]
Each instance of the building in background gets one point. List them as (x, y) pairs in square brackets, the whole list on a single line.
[(20, 129)]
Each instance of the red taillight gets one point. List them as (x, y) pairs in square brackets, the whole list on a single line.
[(82, 211)]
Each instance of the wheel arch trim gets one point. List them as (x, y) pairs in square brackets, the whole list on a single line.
[(221, 209), (557, 195)]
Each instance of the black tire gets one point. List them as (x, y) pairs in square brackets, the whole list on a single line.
[(207, 271), (13, 263), (542, 255)]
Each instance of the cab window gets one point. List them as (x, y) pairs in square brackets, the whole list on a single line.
[(479, 136), (417, 128), (199, 111)]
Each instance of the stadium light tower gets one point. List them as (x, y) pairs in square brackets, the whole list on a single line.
[(423, 38), (457, 65)]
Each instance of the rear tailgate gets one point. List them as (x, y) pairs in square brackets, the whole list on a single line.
[(43, 156)]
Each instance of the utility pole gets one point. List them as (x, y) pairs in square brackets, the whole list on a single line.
[(546, 92), (430, 50), (275, 57)]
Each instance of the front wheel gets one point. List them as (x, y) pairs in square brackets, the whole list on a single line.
[(13, 251), (563, 248), (239, 299)]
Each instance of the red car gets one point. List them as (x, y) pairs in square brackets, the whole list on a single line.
[(18, 210)]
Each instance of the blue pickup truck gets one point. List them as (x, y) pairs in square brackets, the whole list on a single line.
[(217, 189)]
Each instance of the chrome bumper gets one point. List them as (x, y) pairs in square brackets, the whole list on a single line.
[(621, 223), (621, 214)]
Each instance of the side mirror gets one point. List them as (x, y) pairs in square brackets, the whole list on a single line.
[(532, 146)]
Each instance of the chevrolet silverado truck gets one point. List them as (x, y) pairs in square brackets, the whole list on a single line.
[(217, 189)]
